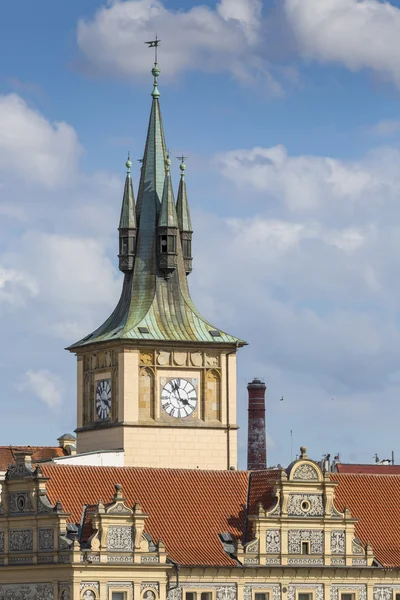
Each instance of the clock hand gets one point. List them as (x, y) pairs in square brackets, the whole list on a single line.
[(183, 400)]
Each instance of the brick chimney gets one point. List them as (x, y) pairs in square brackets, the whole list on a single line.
[(256, 441)]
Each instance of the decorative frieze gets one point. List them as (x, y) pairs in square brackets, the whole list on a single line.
[(305, 473), (359, 562), (175, 594), (153, 585), (117, 558), (27, 591), (272, 561), (19, 503), (251, 561), (149, 559), (120, 537), (338, 539), (20, 560), (305, 505), (273, 541), (383, 593), (338, 562), (314, 536), (45, 559), (361, 589), (317, 588), (20, 540), (89, 585), (226, 592), (46, 538), (273, 589), (306, 561)]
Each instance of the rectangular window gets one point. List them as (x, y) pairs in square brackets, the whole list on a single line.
[(124, 245), (397, 596), (163, 244), (347, 596), (198, 596), (118, 595), (260, 596), (131, 245), (305, 596), (171, 243), (305, 547), (186, 247)]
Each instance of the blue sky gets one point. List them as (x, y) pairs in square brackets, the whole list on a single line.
[(289, 114)]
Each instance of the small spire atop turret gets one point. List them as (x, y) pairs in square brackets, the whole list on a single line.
[(127, 224), (167, 225), (184, 221)]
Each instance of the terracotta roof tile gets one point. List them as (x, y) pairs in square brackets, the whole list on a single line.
[(377, 469), (7, 456), (187, 509), (374, 500)]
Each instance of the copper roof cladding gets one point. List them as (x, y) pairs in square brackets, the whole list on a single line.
[(187, 509), (375, 501), (7, 453)]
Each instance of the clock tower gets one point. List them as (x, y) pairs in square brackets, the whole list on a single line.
[(156, 379)]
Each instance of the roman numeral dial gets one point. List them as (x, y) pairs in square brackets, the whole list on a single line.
[(179, 398), (103, 399)]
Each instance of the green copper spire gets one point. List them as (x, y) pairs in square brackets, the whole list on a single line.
[(168, 216), (155, 303), (182, 205), (128, 215), (127, 224)]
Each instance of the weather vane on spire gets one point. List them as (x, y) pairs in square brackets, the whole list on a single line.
[(155, 70), (154, 44)]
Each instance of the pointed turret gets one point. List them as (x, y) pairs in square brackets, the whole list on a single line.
[(127, 225), (167, 229), (184, 222)]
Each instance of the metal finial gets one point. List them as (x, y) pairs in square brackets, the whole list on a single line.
[(167, 163), (128, 164), (155, 70), (182, 166)]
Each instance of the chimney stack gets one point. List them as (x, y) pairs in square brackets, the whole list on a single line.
[(256, 441)]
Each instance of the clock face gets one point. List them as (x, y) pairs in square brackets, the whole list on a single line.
[(103, 399), (179, 398)]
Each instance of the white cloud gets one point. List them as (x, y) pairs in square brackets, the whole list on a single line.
[(15, 286), (227, 38), (360, 34), (33, 148), (78, 283), (47, 386), (386, 128)]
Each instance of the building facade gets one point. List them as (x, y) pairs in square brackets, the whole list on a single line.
[(156, 389)]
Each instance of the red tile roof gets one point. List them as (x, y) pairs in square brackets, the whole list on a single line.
[(375, 501), (377, 469), (187, 508), (7, 456)]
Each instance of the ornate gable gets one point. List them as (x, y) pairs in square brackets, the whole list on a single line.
[(303, 527)]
